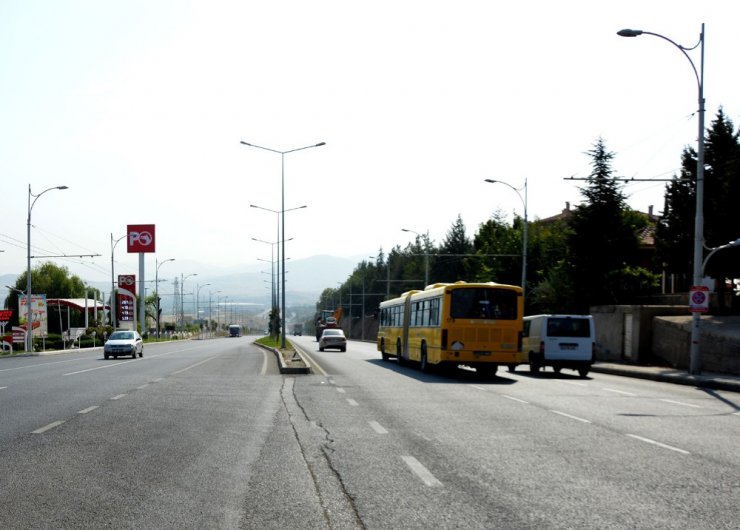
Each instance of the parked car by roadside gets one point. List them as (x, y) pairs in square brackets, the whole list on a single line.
[(560, 341), (333, 338), (124, 343)]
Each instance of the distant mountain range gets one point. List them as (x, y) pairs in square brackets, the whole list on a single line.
[(305, 279)]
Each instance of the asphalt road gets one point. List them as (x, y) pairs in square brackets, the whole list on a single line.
[(208, 434)]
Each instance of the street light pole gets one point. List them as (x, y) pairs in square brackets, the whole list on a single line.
[(695, 359), (524, 231), (182, 298), (156, 287), (29, 314), (197, 303), (282, 213), (426, 257), (113, 319)]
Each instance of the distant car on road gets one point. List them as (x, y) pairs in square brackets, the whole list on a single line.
[(333, 338), (124, 343)]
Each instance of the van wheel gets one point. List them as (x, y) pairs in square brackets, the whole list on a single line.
[(556, 369), (534, 365), (583, 372), (512, 368)]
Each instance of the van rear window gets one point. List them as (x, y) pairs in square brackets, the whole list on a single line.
[(568, 327)]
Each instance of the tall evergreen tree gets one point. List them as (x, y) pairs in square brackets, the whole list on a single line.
[(603, 239), (450, 265)]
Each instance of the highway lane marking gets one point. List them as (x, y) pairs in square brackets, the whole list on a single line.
[(40, 365), (119, 396), (515, 399), (3, 387), (570, 416), (620, 392), (377, 427), (420, 471), (193, 366), (680, 403), (478, 387), (99, 368), (158, 379), (341, 390), (264, 362), (353, 402), (142, 386), (47, 427), (88, 409), (573, 383), (314, 364), (664, 446)]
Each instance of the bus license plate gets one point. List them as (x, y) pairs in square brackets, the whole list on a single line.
[(481, 353)]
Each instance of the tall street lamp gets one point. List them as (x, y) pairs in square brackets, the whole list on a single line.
[(278, 240), (29, 314), (182, 298), (426, 257), (282, 214), (524, 231), (156, 287), (695, 359), (113, 319), (197, 303)]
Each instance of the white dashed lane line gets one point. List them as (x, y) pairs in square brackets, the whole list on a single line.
[(353, 402), (119, 396), (88, 409), (570, 416), (620, 392), (377, 427), (47, 427), (512, 398), (664, 446), (680, 403), (420, 471)]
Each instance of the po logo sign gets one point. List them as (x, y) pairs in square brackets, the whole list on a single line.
[(140, 238)]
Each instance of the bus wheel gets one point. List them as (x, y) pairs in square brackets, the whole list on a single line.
[(512, 368), (382, 350), (424, 365), (399, 356)]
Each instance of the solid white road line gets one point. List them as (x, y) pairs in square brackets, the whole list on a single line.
[(620, 392), (570, 416), (377, 427), (680, 403), (664, 446), (88, 409), (515, 399), (47, 427), (423, 473)]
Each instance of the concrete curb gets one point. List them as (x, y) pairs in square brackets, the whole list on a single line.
[(284, 368), (667, 375)]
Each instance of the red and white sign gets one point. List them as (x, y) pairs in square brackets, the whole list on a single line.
[(699, 299), (128, 282), (5, 315), (140, 238)]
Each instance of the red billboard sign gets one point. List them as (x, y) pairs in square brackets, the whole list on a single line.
[(5, 315), (140, 238), (128, 282)]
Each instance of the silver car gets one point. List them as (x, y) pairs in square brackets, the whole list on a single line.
[(333, 338), (124, 343)]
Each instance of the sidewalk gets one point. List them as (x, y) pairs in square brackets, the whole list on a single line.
[(670, 375)]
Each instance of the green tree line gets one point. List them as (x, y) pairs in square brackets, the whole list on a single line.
[(597, 253)]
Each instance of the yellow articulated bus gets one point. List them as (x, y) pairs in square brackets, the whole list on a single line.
[(475, 324)]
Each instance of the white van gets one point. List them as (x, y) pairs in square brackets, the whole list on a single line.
[(559, 341)]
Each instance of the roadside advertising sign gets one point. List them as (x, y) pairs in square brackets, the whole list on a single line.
[(39, 314), (140, 238), (5, 315), (699, 299), (125, 308), (128, 282)]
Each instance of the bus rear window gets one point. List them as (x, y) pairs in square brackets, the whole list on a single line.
[(489, 302)]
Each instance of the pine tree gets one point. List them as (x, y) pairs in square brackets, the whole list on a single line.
[(603, 240)]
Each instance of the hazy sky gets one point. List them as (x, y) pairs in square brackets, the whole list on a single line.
[(140, 106)]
